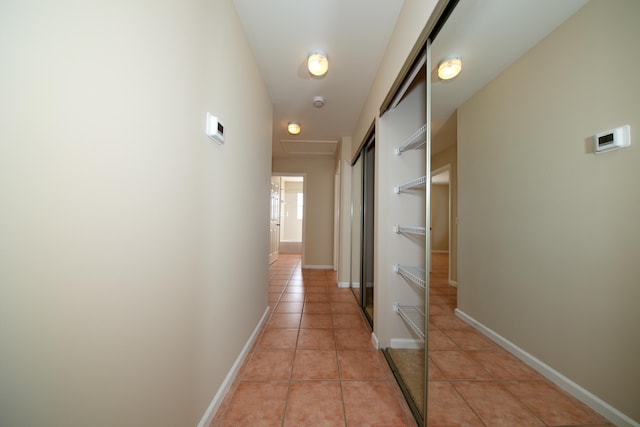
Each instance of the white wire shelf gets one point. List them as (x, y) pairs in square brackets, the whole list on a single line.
[(414, 274), (414, 316), (416, 183), (406, 229), (415, 141)]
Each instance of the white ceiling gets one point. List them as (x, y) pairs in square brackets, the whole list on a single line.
[(282, 33), (488, 34)]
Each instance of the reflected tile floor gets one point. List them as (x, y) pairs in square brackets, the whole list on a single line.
[(313, 363), (474, 382)]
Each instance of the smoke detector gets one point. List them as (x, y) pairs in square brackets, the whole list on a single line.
[(318, 102)]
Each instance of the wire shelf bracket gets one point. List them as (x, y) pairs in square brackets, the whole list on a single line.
[(414, 317), (415, 141), (416, 183), (415, 275), (406, 229)]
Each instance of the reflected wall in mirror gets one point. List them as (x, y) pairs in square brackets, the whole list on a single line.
[(368, 229), (356, 228)]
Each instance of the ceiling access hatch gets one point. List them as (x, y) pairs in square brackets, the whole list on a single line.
[(302, 147)]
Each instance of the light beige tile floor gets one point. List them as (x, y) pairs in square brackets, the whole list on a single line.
[(314, 365)]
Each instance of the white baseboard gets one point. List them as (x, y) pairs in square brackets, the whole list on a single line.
[(343, 284), (586, 397), (453, 283), (374, 341), (217, 400), (318, 267), (407, 343)]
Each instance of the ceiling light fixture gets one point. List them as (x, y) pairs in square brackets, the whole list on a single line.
[(449, 67), (318, 63), (293, 128)]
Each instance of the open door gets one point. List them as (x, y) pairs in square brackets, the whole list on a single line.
[(291, 214)]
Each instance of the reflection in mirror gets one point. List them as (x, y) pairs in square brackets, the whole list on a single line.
[(368, 229), (356, 227)]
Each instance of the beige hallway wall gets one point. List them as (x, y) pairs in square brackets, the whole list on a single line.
[(440, 218), (122, 264), (344, 214)]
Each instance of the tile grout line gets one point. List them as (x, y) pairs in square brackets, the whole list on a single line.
[(295, 356), (335, 344), (467, 403)]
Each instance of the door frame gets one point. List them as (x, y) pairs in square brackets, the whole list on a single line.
[(304, 206), (368, 219)]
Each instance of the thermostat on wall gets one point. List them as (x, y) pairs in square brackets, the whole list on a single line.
[(612, 139), (215, 129)]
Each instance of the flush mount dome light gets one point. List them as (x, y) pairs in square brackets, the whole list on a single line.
[(293, 128), (449, 67), (318, 63)]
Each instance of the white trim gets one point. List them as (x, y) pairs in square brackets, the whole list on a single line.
[(408, 79), (453, 283), (336, 215), (318, 267), (217, 400), (408, 343), (343, 284), (586, 397), (375, 341)]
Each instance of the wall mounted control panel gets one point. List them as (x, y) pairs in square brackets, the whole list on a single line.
[(613, 139), (215, 128)]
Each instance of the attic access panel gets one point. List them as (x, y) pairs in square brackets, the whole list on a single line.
[(302, 147)]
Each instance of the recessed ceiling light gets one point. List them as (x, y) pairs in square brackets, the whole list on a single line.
[(293, 128), (318, 63), (449, 67)]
